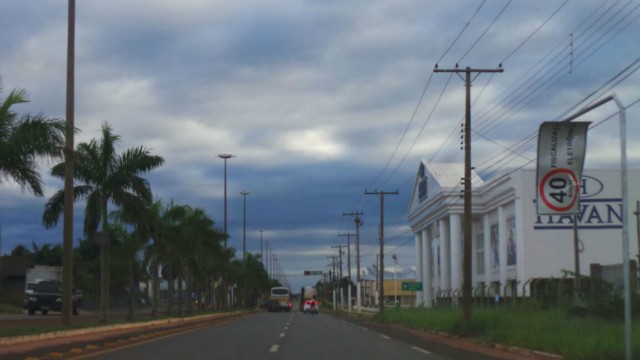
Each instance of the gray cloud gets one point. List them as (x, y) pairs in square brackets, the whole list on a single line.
[(312, 97)]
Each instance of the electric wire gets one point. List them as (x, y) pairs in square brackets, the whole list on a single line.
[(485, 31), (541, 85)]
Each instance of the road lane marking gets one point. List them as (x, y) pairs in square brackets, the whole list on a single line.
[(274, 348), (384, 337), (421, 350), (281, 335)]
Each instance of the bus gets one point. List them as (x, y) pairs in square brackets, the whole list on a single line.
[(280, 299)]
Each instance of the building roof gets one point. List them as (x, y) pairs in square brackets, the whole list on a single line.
[(449, 175)]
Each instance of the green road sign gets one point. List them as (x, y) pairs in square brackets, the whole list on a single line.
[(411, 286)]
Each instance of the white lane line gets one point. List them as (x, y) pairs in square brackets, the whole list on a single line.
[(274, 348), (384, 337), (281, 335), (364, 328), (286, 328), (421, 350)]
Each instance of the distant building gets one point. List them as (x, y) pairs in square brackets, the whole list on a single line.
[(13, 272), (511, 244), (392, 291)]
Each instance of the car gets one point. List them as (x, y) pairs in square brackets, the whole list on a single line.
[(311, 307), (47, 296)]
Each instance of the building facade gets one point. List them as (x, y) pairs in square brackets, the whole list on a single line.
[(511, 244)]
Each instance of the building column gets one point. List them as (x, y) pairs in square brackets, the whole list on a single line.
[(427, 276), (420, 263), (519, 239), (445, 270), (455, 241), (488, 265), (502, 249)]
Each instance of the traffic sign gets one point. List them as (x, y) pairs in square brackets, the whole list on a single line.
[(559, 189), (412, 286), (561, 150), (312, 272)]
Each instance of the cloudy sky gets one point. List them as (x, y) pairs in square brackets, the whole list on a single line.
[(318, 100)]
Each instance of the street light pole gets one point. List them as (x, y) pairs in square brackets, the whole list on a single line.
[(395, 279), (261, 258), (67, 237), (225, 157), (244, 224), (266, 250)]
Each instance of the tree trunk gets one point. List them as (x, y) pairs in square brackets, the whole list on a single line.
[(190, 292), (180, 297), (132, 294), (170, 294), (155, 281), (104, 267)]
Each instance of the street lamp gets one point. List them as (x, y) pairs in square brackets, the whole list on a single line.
[(244, 223), (395, 279), (261, 258), (225, 157)]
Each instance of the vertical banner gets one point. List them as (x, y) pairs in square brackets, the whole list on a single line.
[(561, 149)]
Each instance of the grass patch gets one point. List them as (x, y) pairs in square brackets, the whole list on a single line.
[(79, 323), (42, 329), (549, 330), (10, 309)]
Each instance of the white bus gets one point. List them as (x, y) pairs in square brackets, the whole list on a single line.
[(280, 299)]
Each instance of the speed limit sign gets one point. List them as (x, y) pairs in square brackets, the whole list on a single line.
[(559, 189), (561, 148)]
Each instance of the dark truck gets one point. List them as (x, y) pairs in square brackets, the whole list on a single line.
[(47, 296)]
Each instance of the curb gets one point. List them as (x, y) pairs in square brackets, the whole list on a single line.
[(61, 334)]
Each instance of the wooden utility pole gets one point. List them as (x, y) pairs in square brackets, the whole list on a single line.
[(67, 236), (381, 269), (358, 224), (348, 235), (339, 247), (466, 272)]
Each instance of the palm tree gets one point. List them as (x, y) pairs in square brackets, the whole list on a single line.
[(105, 178), (197, 243), (127, 245), (160, 225), (24, 139)]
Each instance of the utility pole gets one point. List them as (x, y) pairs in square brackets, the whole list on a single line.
[(244, 223), (348, 235), (333, 268), (67, 236), (381, 268), (637, 214), (339, 247), (359, 223), (466, 273)]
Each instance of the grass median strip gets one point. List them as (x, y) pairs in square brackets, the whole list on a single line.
[(547, 330)]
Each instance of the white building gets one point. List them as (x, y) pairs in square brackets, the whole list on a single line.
[(511, 244)]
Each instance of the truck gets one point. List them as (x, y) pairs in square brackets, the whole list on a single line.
[(47, 296), (39, 273)]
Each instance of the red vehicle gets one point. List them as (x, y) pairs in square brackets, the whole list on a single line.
[(310, 306)]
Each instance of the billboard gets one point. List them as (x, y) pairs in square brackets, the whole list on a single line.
[(561, 149)]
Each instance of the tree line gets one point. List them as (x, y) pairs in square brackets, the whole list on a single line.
[(128, 235)]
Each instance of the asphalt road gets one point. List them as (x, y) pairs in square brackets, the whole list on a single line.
[(283, 336)]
